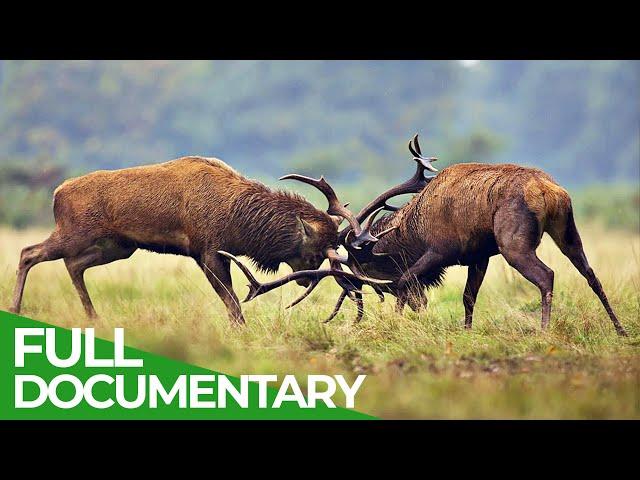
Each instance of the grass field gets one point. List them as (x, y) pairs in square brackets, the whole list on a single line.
[(419, 366)]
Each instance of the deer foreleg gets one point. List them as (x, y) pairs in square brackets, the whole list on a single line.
[(409, 288)]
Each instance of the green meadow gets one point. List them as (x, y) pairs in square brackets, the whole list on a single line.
[(418, 365)]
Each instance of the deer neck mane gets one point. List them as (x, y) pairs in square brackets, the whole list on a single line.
[(267, 228)]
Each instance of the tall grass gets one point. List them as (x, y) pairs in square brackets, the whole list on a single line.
[(419, 365)]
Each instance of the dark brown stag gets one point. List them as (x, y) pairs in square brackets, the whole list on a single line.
[(463, 216), (191, 206)]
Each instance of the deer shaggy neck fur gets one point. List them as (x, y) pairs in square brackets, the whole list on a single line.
[(269, 225)]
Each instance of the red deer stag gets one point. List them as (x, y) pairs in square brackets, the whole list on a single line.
[(463, 216), (192, 206)]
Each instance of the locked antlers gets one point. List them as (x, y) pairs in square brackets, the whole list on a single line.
[(335, 207), (350, 282), (357, 239)]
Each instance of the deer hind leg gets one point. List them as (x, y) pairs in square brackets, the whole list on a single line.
[(475, 276), (534, 270), (50, 249), (106, 251), (569, 242), (518, 233), (218, 272)]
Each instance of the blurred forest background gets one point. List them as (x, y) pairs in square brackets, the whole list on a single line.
[(348, 120)]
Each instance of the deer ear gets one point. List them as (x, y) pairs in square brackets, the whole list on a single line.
[(306, 228)]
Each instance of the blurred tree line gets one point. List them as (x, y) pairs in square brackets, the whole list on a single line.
[(347, 120)]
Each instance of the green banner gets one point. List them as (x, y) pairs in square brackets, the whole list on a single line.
[(49, 372)]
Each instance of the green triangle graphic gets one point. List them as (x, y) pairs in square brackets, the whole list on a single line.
[(166, 370)]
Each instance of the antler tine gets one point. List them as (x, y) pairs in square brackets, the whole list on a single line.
[(357, 299), (372, 217), (336, 261), (367, 248), (346, 284), (365, 253), (336, 309), (309, 289), (364, 238), (335, 207), (357, 294), (335, 258), (356, 269), (254, 285), (379, 292), (414, 146), (425, 162), (390, 208), (383, 233)]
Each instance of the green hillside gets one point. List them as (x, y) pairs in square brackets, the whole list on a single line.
[(349, 120)]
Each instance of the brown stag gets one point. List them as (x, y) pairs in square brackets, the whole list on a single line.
[(192, 206), (463, 216)]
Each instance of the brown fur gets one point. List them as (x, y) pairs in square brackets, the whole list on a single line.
[(470, 212), (191, 206)]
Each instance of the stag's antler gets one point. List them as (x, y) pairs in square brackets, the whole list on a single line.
[(362, 251), (414, 185), (335, 207), (350, 282), (356, 295), (417, 155), (356, 238), (368, 246)]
